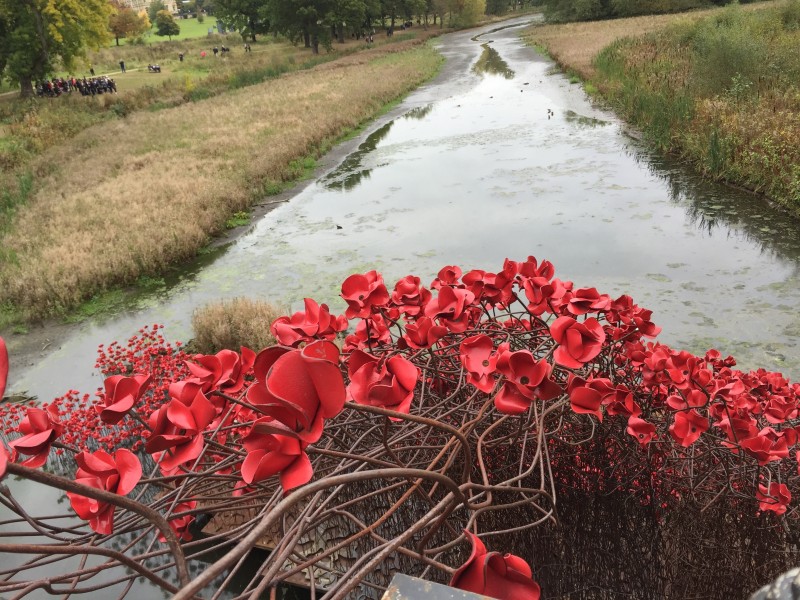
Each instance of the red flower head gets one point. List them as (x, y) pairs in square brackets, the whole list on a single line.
[(480, 361), (313, 324), (3, 461), (40, 429), (531, 268), (274, 449), (586, 300), (370, 332), (501, 576), (545, 295), (363, 292), (374, 382), (409, 296), (586, 397), (118, 475), (627, 318), (527, 380), (643, 431), (618, 399), (177, 428), (424, 333), (769, 445), (223, 371), (448, 276), (3, 367), (180, 525), (776, 498), (452, 308), (578, 342), (121, 394), (299, 388), (494, 289), (688, 427), (737, 429)]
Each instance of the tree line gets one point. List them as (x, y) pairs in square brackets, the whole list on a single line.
[(593, 10), (40, 37)]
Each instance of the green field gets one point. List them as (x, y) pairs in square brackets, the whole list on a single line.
[(190, 29)]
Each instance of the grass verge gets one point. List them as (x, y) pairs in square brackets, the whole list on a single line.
[(718, 88), (130, 197)]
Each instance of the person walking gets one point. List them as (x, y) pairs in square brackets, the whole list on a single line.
[(122, 66)]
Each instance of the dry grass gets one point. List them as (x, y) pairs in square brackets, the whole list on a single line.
[(131, 197), (575, 45), (230, 324)]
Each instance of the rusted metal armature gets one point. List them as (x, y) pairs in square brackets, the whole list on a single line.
[(390, 492)]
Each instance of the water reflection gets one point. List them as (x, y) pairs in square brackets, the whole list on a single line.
[(572, 117), (419, 112), (352, 170), (350, 173), (716, 210), (490, 62)]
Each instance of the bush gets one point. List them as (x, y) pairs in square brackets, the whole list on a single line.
[(790, 15), (230, 324)]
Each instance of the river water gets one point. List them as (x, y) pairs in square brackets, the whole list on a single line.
[(499, 156)]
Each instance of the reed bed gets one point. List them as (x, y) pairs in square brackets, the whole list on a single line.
[(133, 196), (718, 88), (574, 46), (231, 324)]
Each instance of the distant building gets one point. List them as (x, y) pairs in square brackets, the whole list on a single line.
[(140, 5)]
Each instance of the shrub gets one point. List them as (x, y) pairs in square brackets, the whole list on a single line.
[(231, 324)]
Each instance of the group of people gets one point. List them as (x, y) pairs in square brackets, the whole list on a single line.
[(222, 49), (87, 87)]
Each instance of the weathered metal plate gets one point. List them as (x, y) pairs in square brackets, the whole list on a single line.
[(404, 587)]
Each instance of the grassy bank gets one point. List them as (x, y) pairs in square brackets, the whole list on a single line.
[(129, 197), (721, 89)]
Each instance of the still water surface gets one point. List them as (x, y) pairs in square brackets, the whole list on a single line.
[(500, 156)]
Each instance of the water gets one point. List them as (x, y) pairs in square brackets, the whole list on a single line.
[(500, 156)]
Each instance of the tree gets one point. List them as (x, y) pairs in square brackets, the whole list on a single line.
[(496, 7), (166, 24), (353, 15), (310, 20), (156, 6), (126, 23), (39, 36), (248, 17)]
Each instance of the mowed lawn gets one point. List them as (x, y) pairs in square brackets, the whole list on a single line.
[(190, 29)]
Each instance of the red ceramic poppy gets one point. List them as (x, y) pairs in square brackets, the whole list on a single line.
[(121, 395), (274, 449), (480, 361), (775, 499), (688, 427), (40, 429), (500, 576), (223, 371), (643, 431), (3, 367), (362, 293), (118, 475), (316, 322), (177, 431), (388, 384), (424, 333), (578, 343), (409, 296), (3, 461), (300, 388)]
